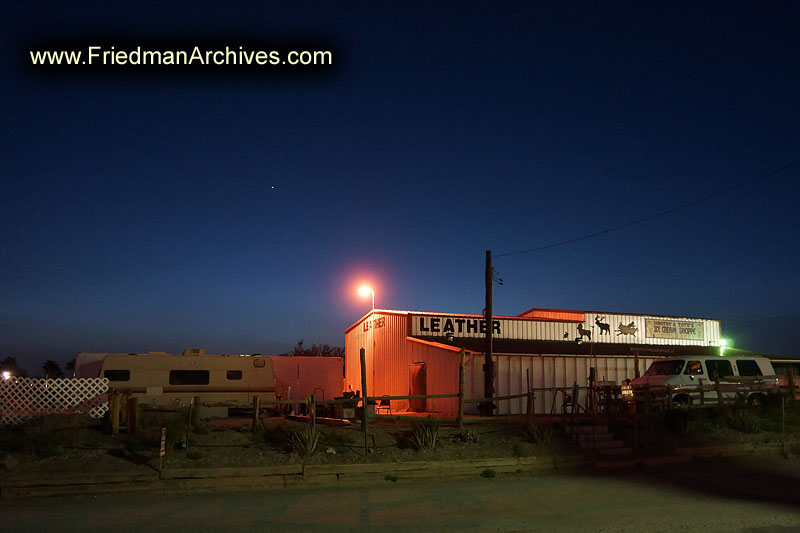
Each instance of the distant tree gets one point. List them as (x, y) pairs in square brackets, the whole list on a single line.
[(52, 370), (319, 350), (10, 364), (70, 366)]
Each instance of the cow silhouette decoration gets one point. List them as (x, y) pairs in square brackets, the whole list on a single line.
[(629, 329)]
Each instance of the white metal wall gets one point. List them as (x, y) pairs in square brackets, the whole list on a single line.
[(550, 371)]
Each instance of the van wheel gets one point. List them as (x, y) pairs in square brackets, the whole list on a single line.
[(682, 400), (756, 399)]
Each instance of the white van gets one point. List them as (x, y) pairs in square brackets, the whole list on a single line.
[(686, 375)]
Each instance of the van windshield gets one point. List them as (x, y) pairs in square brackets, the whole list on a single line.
[(665, 368)]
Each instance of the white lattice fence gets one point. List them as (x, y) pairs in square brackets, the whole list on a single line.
[(24, 398)]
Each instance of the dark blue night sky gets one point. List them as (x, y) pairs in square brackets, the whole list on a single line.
[(237, 213)]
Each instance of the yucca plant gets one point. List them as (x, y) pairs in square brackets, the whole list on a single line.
[(304, 442), (539, 434), (745, 421), (425, 436)]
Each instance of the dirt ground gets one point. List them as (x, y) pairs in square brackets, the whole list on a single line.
[(68, 446)]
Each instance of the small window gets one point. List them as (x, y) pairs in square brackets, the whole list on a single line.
[(259, 363), (694, 368), (748, 367), (234, 374), (188, 377), (719, 367), (117, 375)]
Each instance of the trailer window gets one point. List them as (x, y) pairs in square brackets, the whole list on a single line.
[(188, 377), (719, 368), (234, 374), (117, 375), (748, 367), (693, 368)]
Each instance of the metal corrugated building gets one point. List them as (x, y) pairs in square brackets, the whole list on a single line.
[(418, 353)]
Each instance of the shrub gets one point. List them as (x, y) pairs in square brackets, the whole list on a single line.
[(391, 477), (488, 473), (539, 434), (518, 450), (469, 435), (304, 441), (425, 436), (339, 440)]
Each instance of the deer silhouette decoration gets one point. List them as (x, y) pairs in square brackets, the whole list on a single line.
[(584, 332), (604, 326)]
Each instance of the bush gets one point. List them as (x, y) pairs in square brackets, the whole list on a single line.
[(518, 450), (539, 434), (425, 436), (469, 435), (194, 455), (488, 473), (340, 441), (46, 436)]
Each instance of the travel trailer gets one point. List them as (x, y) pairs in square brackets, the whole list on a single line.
[(173, 380)]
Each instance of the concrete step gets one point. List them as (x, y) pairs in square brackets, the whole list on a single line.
[(601, 444), (588, 437), (582, 430), (622, 451)]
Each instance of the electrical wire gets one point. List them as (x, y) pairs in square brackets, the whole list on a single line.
[(659, 214)]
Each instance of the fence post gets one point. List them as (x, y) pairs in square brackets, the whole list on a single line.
[(256, 412), (133, 414), (364, 424), (718, 387), (530, 407), (312, 411), (461, 391), (114, 412), (196, 413), (792, 389)]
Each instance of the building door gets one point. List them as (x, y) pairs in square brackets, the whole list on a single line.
[(418, 385)]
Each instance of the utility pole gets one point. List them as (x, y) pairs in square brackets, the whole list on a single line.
[(488, 366)]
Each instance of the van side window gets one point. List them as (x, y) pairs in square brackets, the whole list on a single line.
[(748, 367), (117, 375), (720, 368), (234, 374), (188, 377), (694, 368)]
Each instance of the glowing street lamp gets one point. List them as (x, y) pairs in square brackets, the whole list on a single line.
[(6, 375), (722, 344), (365, 291)]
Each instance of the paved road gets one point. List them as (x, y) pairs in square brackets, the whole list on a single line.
[(699, 496)]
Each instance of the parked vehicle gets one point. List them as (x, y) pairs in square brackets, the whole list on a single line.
[(173, 380), (691, 379), (788, 371)]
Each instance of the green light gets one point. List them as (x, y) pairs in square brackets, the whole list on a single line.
[(722, 344)]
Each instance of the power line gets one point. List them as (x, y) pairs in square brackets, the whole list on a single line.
[(659, 214)]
